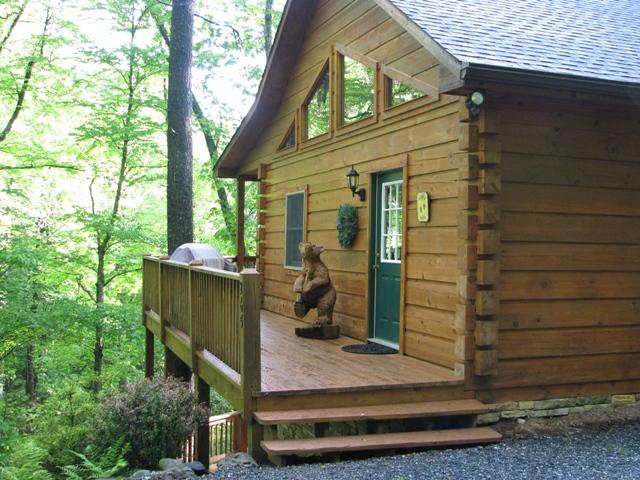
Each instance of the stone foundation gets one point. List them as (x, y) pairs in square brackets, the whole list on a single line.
[(553, 408)]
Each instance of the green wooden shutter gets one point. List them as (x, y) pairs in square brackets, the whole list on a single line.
[(294, 229)]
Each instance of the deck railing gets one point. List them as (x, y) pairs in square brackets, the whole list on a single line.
[(210, 319), (225, 437)]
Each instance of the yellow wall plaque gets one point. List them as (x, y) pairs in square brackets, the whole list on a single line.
[(423, 206)]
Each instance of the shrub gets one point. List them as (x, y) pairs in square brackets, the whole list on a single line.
[(94, 465), (153, 416), (25, 463), (64, 423)]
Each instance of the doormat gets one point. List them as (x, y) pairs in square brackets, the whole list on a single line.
[(369, 349)]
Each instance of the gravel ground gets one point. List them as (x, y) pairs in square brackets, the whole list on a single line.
[(598, 455)]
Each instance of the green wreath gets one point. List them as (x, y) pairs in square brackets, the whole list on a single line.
[(347, 225)]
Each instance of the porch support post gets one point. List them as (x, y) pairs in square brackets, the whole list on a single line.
[(148, 353), (240, 250), (174, 367), (251, 359), (202, 436)]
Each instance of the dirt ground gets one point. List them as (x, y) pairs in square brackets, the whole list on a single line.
[(596, 419)]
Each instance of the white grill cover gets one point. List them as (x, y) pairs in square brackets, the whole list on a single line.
[(208, 255)]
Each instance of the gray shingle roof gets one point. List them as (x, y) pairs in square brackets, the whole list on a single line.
[(588, 38)]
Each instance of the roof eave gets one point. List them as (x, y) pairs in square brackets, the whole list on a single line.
[(284, 52), (474, 72)]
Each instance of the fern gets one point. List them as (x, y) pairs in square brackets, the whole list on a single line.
[(94, 465), (25, 463)]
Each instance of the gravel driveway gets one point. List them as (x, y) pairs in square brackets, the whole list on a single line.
[(611, 454)]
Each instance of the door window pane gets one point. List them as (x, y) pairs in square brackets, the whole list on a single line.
[(391, 215)]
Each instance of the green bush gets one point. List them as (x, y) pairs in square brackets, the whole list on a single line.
[(153, 416), (25, 462), (64, 422), (94, 465)]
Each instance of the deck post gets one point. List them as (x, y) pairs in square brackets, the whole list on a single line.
[(149, 357), (202, 436), (251, 361), (240, 250)]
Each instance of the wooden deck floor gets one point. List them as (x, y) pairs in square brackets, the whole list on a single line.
[(298, 365)]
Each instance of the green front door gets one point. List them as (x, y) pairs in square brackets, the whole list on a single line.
[(386, 220)]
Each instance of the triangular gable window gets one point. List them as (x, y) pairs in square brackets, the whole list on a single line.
[(402, 88), (399, 93), (316, 110), (289, 139)]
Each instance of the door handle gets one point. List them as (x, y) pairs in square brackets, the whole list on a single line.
[(376, 266)]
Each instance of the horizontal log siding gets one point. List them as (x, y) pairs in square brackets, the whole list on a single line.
[(570, 259), (421, 135)]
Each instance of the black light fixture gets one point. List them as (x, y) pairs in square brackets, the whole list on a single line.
[(474, 102), (353, 180)]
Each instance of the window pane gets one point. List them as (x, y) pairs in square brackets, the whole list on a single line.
[(289, 139), (317, 110), (400, 93), (357, 91), (294, 228)]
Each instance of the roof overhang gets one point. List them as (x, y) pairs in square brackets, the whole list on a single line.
[(284, 52), (530, 78)]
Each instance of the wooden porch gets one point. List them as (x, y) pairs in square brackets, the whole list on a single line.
[(212, 327)]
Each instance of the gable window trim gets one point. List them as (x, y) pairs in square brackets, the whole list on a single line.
[(342, 51), (305, 140), (292, 130), (287, 254), (389, 74)]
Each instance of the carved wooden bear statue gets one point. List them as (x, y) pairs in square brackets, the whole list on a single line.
[(313, 286)]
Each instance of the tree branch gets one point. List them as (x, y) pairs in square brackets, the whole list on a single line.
[(234, 30), (109, 278), (37, 166), (13, 25), (27, 78), (87, 291)]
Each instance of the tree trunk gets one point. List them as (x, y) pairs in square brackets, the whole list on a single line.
[(31, 376), (98, 346), (212, 147), (267, 34), (179, 141)]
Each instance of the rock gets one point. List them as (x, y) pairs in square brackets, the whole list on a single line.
[(170, 463), (554, 403), (487, 418), (623, 399), (181, 473), (141, 473), (237, 460), (513, 414), (197, 467), (521, 421)]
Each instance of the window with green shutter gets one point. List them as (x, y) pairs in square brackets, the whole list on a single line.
[(294, 228)]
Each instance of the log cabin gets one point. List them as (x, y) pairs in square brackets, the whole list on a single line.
[(497, 152)]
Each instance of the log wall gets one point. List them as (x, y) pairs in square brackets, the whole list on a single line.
[(419, 136), (569, 319)]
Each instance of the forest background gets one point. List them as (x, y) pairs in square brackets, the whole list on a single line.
[(83, 87)]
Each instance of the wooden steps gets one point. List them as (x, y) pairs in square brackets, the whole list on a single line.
[(418, 419), (382, 441), (373, 412)]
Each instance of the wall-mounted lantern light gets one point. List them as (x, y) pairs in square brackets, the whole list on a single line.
[(474, 102), (353, 180)]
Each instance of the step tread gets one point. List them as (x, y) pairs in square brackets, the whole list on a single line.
[(373, 412), (431, 438)]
